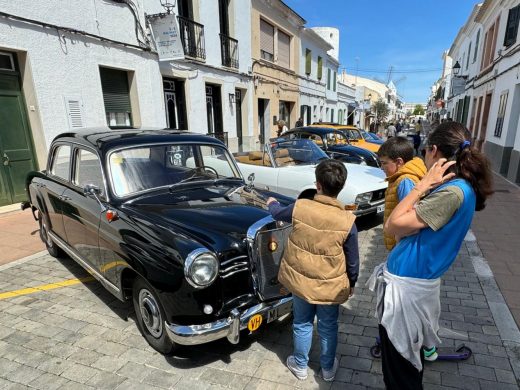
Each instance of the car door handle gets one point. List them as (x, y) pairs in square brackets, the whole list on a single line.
[(63, 197)]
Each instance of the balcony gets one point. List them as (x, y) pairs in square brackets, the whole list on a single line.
[(192, 37), (229, 51)]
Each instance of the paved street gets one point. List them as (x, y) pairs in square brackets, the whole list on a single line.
[(79, 336)]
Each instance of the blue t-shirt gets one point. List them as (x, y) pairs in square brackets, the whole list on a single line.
[(404, 187), (428, 254)]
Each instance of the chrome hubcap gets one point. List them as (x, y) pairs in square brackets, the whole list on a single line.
[(150, 313)]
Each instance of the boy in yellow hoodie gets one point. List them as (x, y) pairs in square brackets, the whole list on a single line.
[(403, 171)]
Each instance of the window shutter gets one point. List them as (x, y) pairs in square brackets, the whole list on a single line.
[(115, 90), (266, 37), (328, 79), (74, 107), (476, 47), (320, 68), (512, 26), (334, 82), (308, 61), (469, 55), (284, 50)]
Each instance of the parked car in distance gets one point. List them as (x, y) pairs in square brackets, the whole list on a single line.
[(165, 219), (287, 166), (335, 144), (353, 134), (371, 137)]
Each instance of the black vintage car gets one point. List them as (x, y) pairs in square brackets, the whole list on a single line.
[(166, 219), (336, 145)]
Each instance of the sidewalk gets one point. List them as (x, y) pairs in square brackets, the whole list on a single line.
[(497, 229), (19, 235)]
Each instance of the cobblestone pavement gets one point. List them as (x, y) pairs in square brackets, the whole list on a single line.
[(80, 337)]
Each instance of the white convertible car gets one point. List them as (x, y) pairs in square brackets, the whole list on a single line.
[(286, 166)]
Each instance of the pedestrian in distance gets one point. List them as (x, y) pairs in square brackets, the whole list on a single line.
[(390, 130), (281, 128), (417, 141), (299, 122), (430, 224), (319, 267)]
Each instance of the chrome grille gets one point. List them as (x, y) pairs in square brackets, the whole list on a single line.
[(233, 266), (266, 261)]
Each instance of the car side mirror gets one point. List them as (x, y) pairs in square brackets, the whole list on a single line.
[(91, 189), (251, 177), (94, 191), (250, 185)]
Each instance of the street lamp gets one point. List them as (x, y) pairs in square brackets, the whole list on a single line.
[(456, 68)]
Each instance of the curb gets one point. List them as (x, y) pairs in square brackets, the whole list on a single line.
[(504, 321), (22, 260)]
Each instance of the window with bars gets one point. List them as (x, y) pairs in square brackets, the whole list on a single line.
[(512, 26), (266, 41), (501, 114)]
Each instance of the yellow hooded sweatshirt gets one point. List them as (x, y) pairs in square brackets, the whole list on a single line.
[(413, 170)]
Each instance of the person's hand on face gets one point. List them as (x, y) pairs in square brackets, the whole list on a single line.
[(436, 175)]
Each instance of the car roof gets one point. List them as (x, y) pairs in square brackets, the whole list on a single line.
[(104, 138), (314, 129)]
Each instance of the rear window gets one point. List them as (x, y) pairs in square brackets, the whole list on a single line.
[(60, 166)]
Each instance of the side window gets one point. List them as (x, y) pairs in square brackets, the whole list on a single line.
[(61, 162), (88, 170)]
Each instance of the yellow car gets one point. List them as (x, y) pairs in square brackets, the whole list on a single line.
[(353, 134)]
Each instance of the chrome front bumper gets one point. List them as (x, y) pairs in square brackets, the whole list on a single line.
[(228, 327), (368, 208)]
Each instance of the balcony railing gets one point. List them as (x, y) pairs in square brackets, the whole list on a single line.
[(220, 136), (192, 36), (229, 51)]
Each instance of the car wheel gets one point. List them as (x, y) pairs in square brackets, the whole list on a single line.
[(150, 316), (53, 249)]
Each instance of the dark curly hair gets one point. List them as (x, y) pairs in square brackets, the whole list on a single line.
[(453, 140)]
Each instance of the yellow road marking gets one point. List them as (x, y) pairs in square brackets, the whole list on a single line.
[(45, 287)]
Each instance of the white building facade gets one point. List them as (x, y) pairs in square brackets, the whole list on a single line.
[(485, 94)]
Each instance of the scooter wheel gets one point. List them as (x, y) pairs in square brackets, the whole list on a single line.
[(375, 351)]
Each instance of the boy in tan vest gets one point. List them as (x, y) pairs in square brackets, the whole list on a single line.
[(319, 267)]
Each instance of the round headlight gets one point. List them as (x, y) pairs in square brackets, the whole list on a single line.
[(201, 268)]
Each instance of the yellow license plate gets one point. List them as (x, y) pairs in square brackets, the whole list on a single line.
[(254, 322)]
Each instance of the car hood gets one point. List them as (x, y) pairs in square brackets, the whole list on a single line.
[(361, 178), (217, 217)]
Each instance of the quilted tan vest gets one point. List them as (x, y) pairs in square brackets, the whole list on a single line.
[(314, 265)]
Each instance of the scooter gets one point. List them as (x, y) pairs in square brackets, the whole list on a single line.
[(460, 352)]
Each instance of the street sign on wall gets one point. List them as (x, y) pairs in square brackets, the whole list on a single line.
[(165, 32), (458, 85)]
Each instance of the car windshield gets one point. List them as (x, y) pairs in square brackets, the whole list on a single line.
[(296, 152), (352, 134), (370, 136), (143, 168)]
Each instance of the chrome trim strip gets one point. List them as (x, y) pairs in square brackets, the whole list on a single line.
[(63, 245), (254, 228), (227, 327), (224, 263), (234, 272)]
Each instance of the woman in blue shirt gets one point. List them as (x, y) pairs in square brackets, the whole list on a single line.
[(430, 224)]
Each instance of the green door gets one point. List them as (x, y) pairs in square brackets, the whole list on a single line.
[(16, 147)]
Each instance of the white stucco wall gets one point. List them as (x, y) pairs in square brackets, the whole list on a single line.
[(68, 64)]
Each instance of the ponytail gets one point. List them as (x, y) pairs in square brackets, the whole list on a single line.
[(453, 140), (473, 166)]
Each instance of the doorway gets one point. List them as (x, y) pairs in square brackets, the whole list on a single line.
[(214, 112), (16, 144), (238, 116), (175, 104), (485, 117), (263, 120)]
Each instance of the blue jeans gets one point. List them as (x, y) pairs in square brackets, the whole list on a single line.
[(304, 313)]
